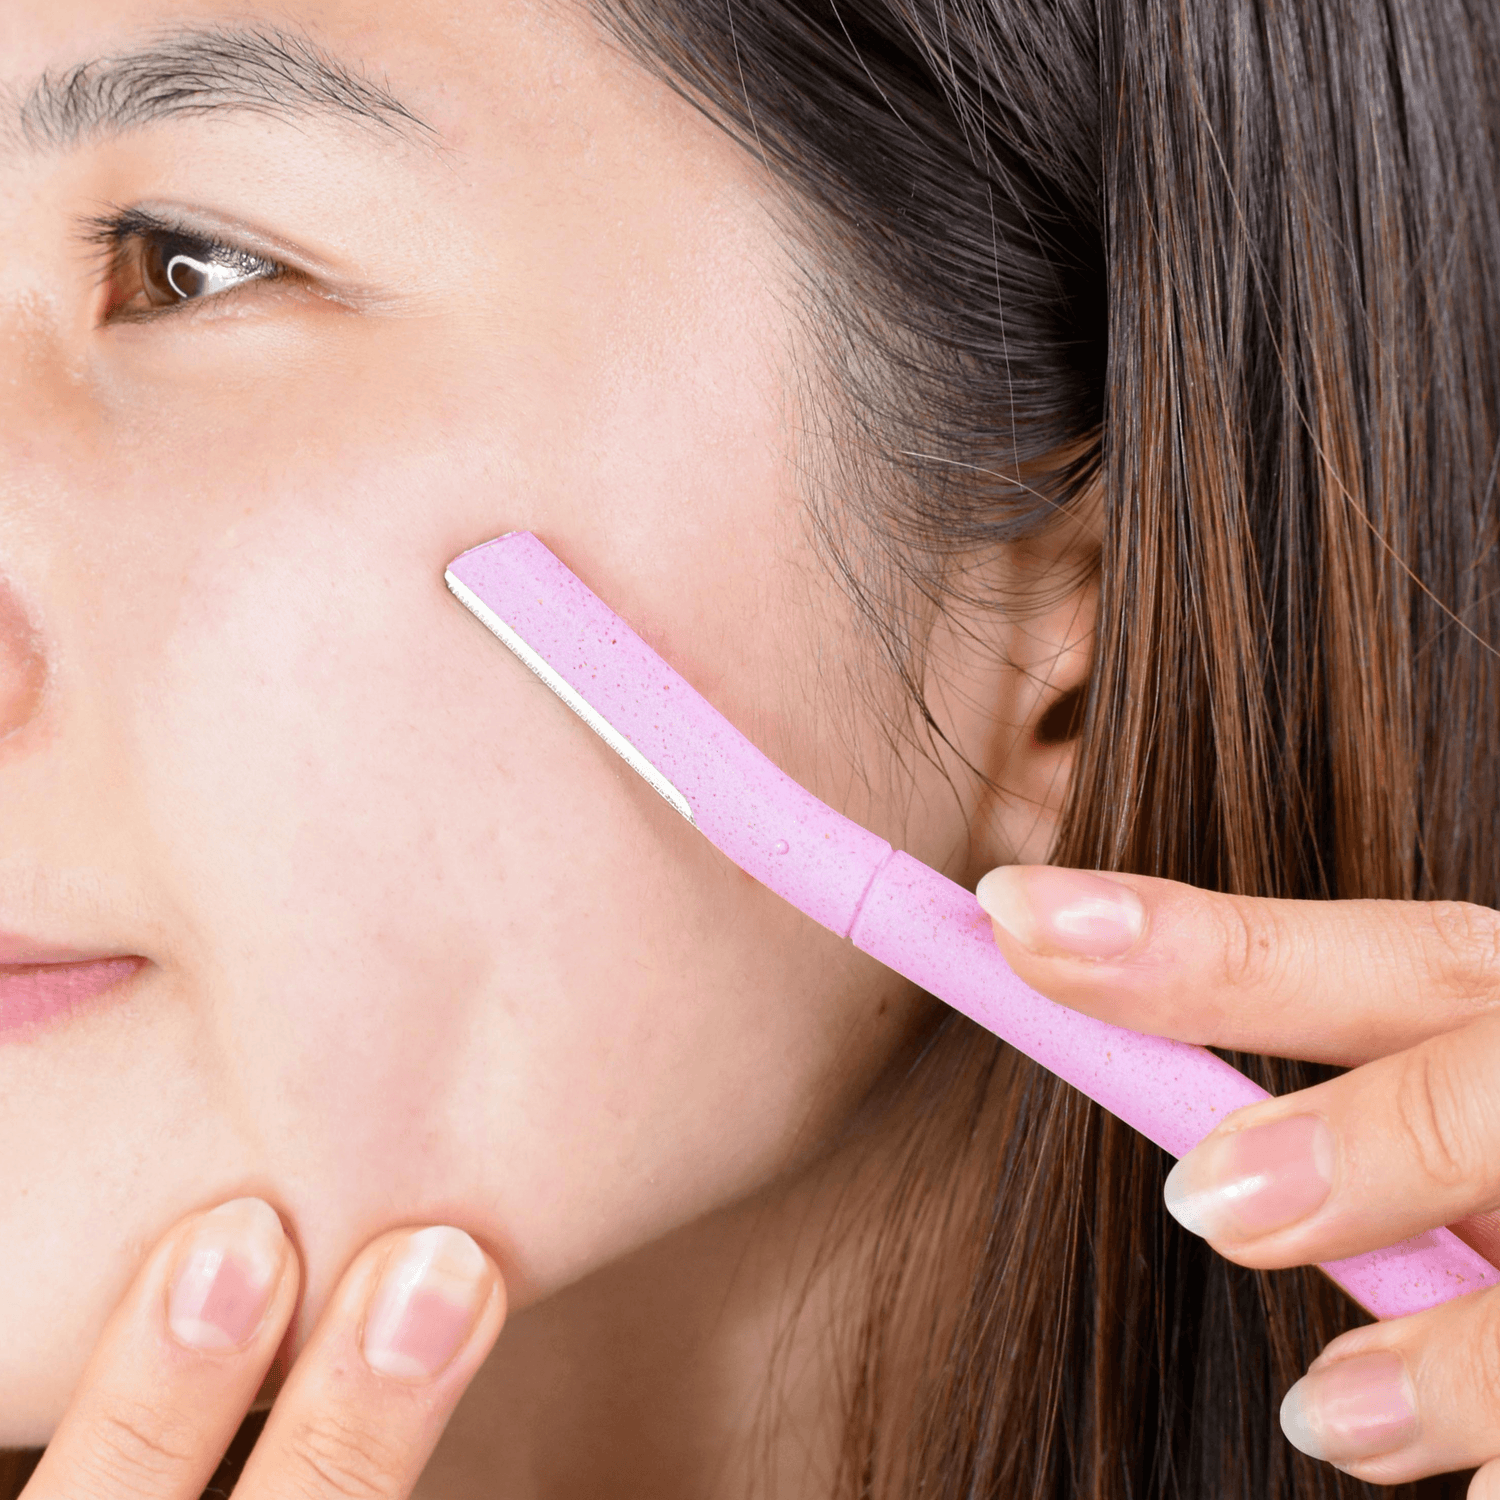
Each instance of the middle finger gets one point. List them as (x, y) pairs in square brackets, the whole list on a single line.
[(1395, 1401), (1401, 1145)]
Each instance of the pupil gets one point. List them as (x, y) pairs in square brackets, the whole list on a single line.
[(185, 276), (173, 273)]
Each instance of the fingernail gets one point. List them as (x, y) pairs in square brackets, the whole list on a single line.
[(225, 1274), (1067, 912), (425, 1305), (1244, 1183), (1355, 1408)]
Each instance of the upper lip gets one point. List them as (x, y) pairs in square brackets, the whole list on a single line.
[(23, 952)]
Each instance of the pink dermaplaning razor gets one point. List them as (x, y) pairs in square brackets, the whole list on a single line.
[(912, 919)]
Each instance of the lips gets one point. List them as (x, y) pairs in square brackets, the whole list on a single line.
[(42, 982)]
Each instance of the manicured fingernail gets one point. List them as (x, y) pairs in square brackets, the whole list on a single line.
[(225, 1274), (1354, 1408), (426, 1303), (1067, 912), (1244, 1183)]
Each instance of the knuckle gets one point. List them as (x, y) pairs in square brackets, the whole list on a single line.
[(338, 1458), (133, 1448), (1430, 1114), (1249, 943), (1467, 941)]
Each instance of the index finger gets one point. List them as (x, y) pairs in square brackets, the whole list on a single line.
[(1327, 981), (178, 1363)]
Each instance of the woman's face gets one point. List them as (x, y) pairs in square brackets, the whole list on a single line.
[(416, 946)]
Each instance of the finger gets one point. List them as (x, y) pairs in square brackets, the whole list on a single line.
[(178, 1363), (1485, 1485), (368, 1398), (1329, 981), (1392, 1402), (1398, 1146), (1481, 1232)]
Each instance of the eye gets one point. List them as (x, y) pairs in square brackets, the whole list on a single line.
[(177, 269), (152, 266)]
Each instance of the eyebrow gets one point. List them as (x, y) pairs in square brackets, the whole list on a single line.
[(202, 72)]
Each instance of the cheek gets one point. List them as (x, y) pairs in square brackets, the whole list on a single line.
[(441, 955), (450, 954), (427, 951)]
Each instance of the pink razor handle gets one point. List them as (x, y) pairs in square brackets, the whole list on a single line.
[(896, 909)]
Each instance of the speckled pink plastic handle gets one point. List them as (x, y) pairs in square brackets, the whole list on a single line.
[(908, 916)]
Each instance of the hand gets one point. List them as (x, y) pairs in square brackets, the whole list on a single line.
[(184, 1354), (1404, 993)]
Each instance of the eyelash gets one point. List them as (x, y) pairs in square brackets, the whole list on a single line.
[(124, 238)]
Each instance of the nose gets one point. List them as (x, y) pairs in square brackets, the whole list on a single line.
[(23, 666)]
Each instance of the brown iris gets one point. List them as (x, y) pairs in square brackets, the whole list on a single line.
[(175, 269), (170, 269), (170, 272)]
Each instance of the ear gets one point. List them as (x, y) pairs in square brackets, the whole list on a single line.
[(1014, 678), (1030, 759)]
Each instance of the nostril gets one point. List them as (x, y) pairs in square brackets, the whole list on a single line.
[(23, 667)]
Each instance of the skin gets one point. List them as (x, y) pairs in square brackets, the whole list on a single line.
[(417, 948)]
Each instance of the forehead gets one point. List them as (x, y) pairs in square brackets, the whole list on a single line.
[(466, 75), (72, 68)]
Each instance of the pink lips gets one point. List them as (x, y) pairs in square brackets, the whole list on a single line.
[(42, 983)]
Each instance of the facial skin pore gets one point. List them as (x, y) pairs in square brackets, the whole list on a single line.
[(418, 947)]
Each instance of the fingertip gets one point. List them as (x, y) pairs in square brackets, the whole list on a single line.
[(420, 1302), (1002, 895), (1058, 913), (226, 1276)]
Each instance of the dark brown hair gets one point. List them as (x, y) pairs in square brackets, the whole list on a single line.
[(1241, 261)]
